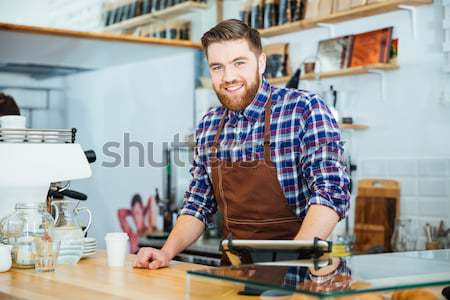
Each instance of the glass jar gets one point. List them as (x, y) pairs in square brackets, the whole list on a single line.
[(405, 234), (29, 221)]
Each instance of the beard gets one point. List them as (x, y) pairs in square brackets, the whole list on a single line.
[(238, 102)]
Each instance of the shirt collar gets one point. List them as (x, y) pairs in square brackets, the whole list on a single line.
[(256, 108)]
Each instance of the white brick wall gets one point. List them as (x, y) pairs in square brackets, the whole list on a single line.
[(424, 187)]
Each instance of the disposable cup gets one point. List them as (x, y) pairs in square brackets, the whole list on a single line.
[(116, 248), (12, 122)]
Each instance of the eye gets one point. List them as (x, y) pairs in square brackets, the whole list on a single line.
[(216, 68), (239, 63)]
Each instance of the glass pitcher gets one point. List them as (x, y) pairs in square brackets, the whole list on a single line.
[(28, 222), (69, 231)]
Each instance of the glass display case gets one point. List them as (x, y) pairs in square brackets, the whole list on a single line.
[(403, 275)]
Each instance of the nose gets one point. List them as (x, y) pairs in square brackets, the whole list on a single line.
[(230, 74)]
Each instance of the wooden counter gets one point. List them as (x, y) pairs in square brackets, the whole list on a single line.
[(91, 278)]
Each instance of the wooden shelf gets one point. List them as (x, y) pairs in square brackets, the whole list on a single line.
[(352, 71), (353, 126), (358, 12), (21, 44), (339, 73), (171, 12), (279, 80)]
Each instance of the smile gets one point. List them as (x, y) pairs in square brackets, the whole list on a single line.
[(234, 88)]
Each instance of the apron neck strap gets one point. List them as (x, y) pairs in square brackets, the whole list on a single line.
[(267, 110), (219, 131)]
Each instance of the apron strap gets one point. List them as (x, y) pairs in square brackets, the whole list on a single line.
[(267, 110), (216, 137)]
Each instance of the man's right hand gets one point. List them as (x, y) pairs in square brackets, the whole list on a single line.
[(187, 230), (151, 258)]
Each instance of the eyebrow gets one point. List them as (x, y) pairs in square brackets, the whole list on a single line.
[(234, 60)]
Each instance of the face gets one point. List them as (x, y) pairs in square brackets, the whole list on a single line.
[(235, 72)]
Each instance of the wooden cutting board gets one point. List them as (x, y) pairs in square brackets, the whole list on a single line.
[(377, 207)]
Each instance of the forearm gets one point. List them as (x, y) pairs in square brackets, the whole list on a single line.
[(186, 231), (319, 222)]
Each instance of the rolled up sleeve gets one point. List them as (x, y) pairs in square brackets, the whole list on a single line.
[(199, 198), (322, 161)]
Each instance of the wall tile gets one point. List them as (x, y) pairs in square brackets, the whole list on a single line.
[(402, 167), (434, 187), (434, 167), (408, 187), (434, 207)]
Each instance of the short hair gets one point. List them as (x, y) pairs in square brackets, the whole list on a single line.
[(230, 30), (8, 106)]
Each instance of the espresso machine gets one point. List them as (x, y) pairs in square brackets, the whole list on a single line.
[(34, 160)]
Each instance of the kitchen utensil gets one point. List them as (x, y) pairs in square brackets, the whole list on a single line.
[(377, 208)]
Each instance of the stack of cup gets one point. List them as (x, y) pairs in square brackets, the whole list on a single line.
[(116, 248), (12, 122)]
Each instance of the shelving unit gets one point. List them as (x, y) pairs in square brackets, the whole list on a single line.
[(171, 12), (339, 73), (358, 12), (25, 46), (353, 126)]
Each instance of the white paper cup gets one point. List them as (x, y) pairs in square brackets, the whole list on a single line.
[(116, 248), (5, 258), (12, 122)]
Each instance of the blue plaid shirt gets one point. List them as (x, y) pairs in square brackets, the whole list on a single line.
[(306, 149)]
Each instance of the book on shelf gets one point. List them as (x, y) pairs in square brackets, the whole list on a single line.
[(334, 54), (371, 47)]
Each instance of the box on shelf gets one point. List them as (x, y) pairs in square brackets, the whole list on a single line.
[(325, 8), (357, 3), (375, 1), (342, 5), (312, 9)]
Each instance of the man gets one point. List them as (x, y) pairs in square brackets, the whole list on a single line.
[(8, 106), (270, 158)]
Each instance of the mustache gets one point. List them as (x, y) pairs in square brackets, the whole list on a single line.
[(235, 82)]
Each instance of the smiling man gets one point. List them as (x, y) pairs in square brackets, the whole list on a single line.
[(270, 159)]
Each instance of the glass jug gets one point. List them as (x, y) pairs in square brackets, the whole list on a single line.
[(68, 230), (29, 221)]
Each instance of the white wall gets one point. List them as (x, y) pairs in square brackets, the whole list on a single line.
[(25, 12), (152, 101), (41, 116)]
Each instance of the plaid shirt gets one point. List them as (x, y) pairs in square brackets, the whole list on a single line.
[(306, 149)]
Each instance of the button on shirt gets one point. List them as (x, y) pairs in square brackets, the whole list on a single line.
[(306, 150)]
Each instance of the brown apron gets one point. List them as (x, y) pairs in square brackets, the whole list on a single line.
[(249, 194)]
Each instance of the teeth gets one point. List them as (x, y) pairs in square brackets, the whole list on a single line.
[(233, 88)]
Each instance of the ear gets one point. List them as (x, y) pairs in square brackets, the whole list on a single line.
[(262, 63)]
